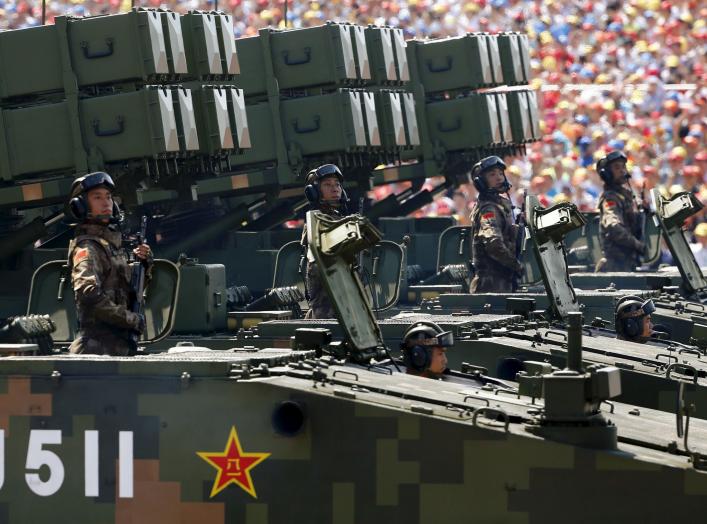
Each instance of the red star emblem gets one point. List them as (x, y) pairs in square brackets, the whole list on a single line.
[(233, 465)]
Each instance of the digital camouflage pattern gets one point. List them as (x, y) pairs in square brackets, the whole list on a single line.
[(364, 453), (100, 277), (618, 230), (493, 244)]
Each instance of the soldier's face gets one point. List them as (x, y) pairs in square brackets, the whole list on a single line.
[(330, 188), (495, 178), (618, 171), (438, 361), (647, 326), (100, 202)]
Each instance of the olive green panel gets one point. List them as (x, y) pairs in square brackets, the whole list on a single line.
[(324, 123), (382, 268), (547, 229), (316, 56), (511, 59), (454, 246), (466, 122), (35, 193), (51, 294), (105, 49), (454, 63), (334, 244), (671, 214)]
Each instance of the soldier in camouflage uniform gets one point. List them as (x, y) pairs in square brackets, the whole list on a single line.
[(326, 194), (100, 273), (493, 231), (619, 228)]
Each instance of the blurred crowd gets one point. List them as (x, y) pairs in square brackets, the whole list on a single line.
[(611, 74)]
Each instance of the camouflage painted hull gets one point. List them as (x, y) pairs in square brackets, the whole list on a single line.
[(189, 438)]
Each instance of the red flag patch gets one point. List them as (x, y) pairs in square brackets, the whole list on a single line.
[(609, 203), (488, 215), (80, 254)]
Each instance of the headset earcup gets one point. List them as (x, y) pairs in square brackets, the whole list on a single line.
[(419, 358), (77, 208), (633, 328), (311, 191), (416, 358), (479, 184)]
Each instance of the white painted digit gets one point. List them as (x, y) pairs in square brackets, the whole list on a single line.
[(125, 461), (2, 457), (38, 457), (91, 463)]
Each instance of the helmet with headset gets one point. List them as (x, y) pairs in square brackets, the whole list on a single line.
[(484, 165), (418, 342), (77, 208), (604, 163), (314, 179), (628, 319)]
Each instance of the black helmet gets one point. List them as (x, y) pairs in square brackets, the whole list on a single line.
[(604, 163), (77, 207), (628, 318), (418, 341), (484, 165)]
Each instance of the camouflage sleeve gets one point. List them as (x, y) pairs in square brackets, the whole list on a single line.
[(491, 236), (612, 222), (89, 263)]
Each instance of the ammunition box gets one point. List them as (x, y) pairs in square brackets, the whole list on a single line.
[(519, 115), (454, 63), (511, 60), (463, 123), (325, 123), (102, 50)]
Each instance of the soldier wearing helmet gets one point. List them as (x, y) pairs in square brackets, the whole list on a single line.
[(493, 231), (619, 227), (325, 193), (424, 348), (632, 319), (100, 273)]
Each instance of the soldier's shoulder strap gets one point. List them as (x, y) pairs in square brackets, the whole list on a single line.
[(611, 194), (81, 239)]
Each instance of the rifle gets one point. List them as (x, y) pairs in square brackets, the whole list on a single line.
[(137, 283), (520, 241), (643, 216)]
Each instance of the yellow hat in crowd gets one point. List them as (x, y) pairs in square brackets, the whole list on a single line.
[(701, 230)]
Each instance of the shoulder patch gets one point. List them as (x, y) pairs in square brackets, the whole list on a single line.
[(609, 203), (80, 254), (488, 215)]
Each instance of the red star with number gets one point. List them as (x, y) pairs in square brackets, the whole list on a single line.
[(233, 465)]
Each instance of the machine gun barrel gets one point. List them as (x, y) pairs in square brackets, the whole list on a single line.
[(574, 341)]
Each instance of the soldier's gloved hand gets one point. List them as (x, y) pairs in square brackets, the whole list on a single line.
[(137, 322), (640, 247)]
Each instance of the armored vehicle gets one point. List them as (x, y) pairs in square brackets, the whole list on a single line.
[(219, 435)]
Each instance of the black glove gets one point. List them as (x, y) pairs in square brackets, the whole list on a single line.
[(138, 322)]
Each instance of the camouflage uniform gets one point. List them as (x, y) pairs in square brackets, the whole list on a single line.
[(100, 277), (618, 230), (493, 244), (319, 303)]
